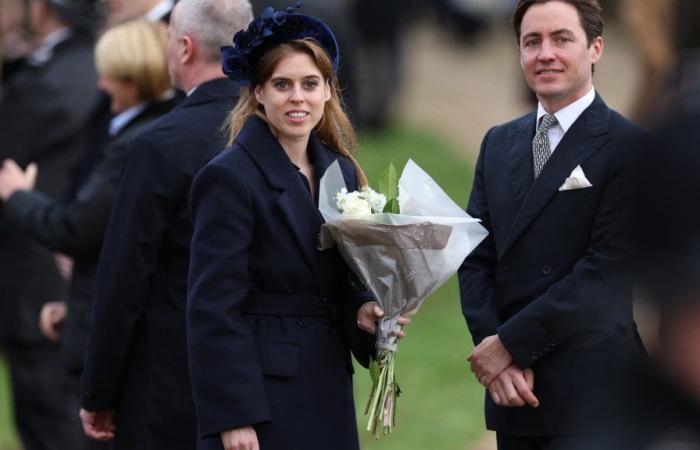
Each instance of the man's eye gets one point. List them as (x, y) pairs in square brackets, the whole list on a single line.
[(531, 43), (563, 39)]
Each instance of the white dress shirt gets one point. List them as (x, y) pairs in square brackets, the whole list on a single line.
[(159, 11), (122, 119), (565, 118)]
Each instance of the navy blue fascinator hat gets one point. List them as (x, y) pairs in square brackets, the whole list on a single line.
[(273, 28)]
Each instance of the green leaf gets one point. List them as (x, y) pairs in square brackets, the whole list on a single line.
[(389, 183), (392, 206)]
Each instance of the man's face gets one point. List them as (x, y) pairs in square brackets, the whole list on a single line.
[(555, 55), (119, 11)]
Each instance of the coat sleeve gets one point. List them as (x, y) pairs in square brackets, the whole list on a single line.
[(227, 380), (594, 289), (476, 275), (138, 221), (76, 227)]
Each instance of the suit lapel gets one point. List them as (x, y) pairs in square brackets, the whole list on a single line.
[(294, 201), (585, 137), (520, 174)]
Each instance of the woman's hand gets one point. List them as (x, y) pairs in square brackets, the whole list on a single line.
[(370, 313), (240, 439), (13, 178)]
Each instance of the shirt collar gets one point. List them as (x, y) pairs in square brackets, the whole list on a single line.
[(568, 115), (45, 51), (122, 119), (159, 11)]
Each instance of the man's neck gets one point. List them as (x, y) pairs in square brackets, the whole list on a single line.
[(199, 74)]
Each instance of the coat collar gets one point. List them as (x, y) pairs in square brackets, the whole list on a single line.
[(585, 137), (211, 90), (294, 201)]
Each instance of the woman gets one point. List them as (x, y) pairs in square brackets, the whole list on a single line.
[(270, 318), (132, 68)]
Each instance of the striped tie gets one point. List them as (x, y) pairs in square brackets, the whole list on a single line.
[(540, 144)]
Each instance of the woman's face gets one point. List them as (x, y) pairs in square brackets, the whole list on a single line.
[(294, 97), (123, 94)]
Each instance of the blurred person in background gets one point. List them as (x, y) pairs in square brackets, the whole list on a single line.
[(118, 11), (136, 388), (43, 111), (132, 69), (15, 42)]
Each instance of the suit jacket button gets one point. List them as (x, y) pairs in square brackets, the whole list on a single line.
[(301, 323), (533, 356), (546, 270), (324, 299)]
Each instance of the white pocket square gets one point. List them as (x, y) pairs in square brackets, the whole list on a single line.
[(577, 180)]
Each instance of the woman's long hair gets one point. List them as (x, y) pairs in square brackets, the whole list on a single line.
[(334, 129)]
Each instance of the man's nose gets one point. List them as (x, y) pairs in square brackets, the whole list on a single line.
[(547, 52)]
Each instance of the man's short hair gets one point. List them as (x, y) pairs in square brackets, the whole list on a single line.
[(212, 23), (589, 12)]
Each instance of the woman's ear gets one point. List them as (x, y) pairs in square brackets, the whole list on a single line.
[(328, 91), (258, 91)]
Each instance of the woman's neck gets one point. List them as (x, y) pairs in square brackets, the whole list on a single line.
[(295, 148)]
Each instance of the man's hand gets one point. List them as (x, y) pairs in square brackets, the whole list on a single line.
[(98, 425), (51, 318), (240, 439), (370, 313), (489, 359), (513, 388), (13, 178)]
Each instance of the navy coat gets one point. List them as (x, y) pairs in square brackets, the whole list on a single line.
[(136, 363), (270, 317), (548, 278)]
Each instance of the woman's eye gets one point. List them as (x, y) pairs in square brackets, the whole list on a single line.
[(280, 84), (310, 84)]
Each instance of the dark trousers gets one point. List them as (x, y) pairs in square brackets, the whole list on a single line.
[(564, 442), (45, 407)]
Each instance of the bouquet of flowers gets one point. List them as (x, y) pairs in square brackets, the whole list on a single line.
[(403, 244)]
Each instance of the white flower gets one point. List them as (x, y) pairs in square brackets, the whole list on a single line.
[(375, 199), (353, 204)]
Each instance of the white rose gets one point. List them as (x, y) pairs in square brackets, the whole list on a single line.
[(376, 200), (354, 206)]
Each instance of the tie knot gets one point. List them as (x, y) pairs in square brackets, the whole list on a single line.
[(546, 122)]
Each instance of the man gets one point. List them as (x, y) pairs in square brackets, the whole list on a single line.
[(43, 111), (136, 384), (543, 295)]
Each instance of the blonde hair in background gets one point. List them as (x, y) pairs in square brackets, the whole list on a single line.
[(334, 129), (134, 52)]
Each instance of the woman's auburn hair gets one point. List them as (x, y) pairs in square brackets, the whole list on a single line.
[(135, 52), (334, 129)]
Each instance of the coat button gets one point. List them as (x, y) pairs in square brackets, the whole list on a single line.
[(546, 270), (533, 356), (324, 299), (301, 323)]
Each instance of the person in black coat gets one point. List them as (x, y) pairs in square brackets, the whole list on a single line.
[(43, 111), (544, 294), (270, 318), (76, 227), (135, 387)]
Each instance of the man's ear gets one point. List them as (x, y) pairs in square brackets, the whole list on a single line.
[(189, 48)]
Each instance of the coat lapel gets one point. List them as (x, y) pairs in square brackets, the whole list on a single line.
[(300, 213), (520, 174), (585, 137)]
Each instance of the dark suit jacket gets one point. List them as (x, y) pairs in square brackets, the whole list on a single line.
[(548, 277), (43, 110), (136, 361), (76, 227), (267, 310)]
